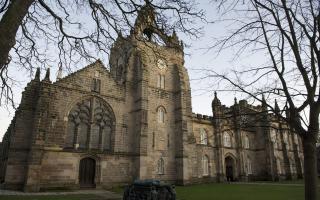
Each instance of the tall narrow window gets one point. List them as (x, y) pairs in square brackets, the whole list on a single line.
[(293, 168), (161, 81), (161, 113), (285, 137), (249, 166), (153, 139), (203, 137), (160, 167), (246, 142), (279, 169), (205, 165), (227, 140), (96, 84)]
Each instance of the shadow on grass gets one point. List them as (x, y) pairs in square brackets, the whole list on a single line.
[(52, 197)]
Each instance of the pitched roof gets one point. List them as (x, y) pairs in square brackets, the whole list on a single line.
[(83, 69)]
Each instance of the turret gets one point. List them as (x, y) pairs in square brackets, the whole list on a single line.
[(216, 106)]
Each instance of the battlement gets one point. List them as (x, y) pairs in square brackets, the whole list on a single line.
[(201, 117)]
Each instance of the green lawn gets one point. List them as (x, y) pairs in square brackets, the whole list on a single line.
[(204, 192), (240, 192), (53, 197)]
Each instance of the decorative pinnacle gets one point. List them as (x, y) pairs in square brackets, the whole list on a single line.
[(174, 34), (47, 77), (215, 101), (235, 101), (276, 107), (263, 99), (37, 76), (59, 75)]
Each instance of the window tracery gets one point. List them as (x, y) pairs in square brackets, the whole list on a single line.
[(249, 166), (205, 165), (90, 125), (203, 137), (246, 142), (160, 166), (227, 140)]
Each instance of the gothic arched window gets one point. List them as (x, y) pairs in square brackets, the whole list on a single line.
[(293, 168), (203, 137), (249, 166), (161, 114), (246, 142), (279, 168), (227, 140), (160, 166), (205, 165), (285, 137), (161, 81), (90, 125)]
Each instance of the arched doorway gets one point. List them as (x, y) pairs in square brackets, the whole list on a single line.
[(87, 171), (230, 171)]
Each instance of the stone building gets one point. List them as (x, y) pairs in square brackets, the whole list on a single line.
[(98, 127)]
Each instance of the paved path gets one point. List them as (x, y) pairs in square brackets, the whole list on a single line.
[(104, 194)]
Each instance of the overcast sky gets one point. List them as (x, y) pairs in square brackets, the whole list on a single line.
[(196, 57)]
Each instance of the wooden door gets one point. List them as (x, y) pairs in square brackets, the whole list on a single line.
[(87, 172)]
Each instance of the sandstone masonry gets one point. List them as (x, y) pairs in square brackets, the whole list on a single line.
[(98, 127)]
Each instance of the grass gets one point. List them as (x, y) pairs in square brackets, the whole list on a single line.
[(204, 192), (52, 197), (240, 192), (265, 191)]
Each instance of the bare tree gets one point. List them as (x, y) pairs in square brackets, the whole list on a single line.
[(38, 33), (287, 33)]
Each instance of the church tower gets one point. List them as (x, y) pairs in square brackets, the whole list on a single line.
[(100, 128), (149, 62)]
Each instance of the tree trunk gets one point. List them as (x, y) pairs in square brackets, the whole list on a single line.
[(310, 166), (9, 25)]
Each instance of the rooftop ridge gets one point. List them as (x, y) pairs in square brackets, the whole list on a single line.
[(82, 69)]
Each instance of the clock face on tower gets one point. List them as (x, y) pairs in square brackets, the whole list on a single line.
[(161, 64)]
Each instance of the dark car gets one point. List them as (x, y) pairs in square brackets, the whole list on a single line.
[(149, 190)]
